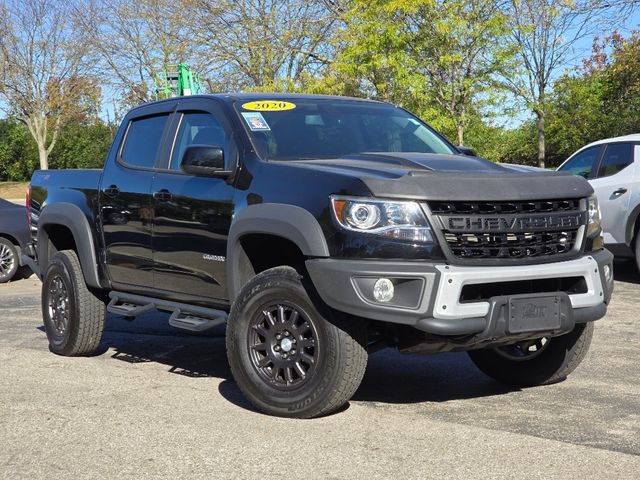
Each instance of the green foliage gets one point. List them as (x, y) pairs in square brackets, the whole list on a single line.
[(18, 153), (576, 115), (80, 145), (602, 101), (434, 57)]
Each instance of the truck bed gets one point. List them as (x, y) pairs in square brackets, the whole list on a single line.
[(48, 186)]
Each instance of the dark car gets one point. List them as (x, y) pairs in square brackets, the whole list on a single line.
[(14, 236)]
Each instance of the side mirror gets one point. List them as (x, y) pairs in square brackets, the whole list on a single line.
[(203, 160), (470, 152)]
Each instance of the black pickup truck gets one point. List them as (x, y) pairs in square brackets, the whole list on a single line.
[(319, 229)]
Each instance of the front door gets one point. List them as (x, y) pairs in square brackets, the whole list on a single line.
[(125, 203), (192, 214), (614, 187)]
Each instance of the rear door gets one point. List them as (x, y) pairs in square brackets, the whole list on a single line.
[(125, 200), (192, 214), (613, 184)]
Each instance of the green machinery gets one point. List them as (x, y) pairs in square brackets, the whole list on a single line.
[(176, 81)]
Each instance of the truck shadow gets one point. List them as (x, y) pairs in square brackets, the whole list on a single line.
[(390, 378)]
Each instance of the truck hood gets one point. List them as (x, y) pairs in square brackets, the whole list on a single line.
[(427, 176)]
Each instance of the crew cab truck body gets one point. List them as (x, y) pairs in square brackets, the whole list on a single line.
[(320, 229)]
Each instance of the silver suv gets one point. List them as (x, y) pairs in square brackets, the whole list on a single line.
[(612, 166)]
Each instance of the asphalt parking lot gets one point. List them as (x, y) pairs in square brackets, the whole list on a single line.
[(159, 403)]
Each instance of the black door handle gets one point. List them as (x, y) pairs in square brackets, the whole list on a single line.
[(620, 191), (163, 195), (111, 191)]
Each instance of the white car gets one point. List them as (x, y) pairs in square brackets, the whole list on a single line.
[(612, 166)]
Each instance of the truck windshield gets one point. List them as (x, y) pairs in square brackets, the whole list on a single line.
[(292, 129)]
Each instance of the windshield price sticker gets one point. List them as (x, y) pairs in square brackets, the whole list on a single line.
[(269, 106), (256, 121)]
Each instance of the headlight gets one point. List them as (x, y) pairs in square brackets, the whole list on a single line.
[(594, 227), (401, 220)]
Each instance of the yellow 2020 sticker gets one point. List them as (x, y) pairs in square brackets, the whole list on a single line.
[(269, 106)]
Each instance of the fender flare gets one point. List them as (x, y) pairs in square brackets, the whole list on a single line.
[(282, 220), (72, 217)]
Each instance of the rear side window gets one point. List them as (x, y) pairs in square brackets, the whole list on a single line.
[(582, 163), (143, 141), (616, 157)]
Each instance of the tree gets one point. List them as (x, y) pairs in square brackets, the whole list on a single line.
[(598, 101), (461, 46), (261, 45), (544, 34), (433, 56), (42, 66), (137, 41)]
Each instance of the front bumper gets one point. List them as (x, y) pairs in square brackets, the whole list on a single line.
[(428, 294)]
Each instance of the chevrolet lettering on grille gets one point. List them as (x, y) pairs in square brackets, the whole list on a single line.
[(510, 223)]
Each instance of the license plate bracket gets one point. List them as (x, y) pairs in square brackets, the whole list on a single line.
[(532, 313)]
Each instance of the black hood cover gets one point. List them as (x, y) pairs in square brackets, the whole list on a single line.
[(428, 176)]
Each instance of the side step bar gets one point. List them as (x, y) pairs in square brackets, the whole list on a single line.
[(186, 317)]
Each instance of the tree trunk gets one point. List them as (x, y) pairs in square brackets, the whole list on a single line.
[(541, 139), (37, 127), (43, 154), (460, 135)]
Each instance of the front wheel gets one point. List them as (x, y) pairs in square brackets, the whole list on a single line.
[(287, 357), (536, 362)]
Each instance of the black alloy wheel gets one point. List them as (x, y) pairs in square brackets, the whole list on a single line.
[(57, 302), (523, 351), (290, 355), (283, 344), (73, 315)]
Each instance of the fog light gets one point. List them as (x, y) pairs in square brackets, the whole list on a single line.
[(608, 273), (383, 290)]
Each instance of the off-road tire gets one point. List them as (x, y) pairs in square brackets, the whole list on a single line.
[(9, 260), (81, 333), (340, 349), (558, 359)]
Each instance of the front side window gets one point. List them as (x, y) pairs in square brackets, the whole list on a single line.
[(616, 157), (198, 128), (311, 128), (143, 141), (582, 163)]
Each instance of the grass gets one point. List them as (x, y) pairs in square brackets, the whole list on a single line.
[(13, 190)]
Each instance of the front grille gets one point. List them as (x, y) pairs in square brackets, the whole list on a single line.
[(545, 206), (509, 230), (510, 245)]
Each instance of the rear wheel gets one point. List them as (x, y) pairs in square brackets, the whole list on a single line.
[(536, 362), (73, 316), (9, 261), (287, 357)]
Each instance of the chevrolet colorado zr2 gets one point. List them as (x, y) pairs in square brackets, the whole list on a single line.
[(319, 229)]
